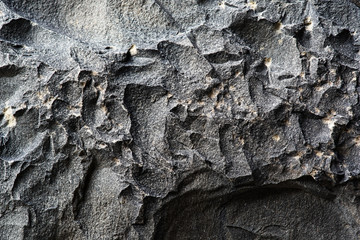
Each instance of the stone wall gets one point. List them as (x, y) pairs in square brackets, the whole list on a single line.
[(193, 119)]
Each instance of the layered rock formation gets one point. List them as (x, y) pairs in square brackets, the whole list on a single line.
[(196, 119)]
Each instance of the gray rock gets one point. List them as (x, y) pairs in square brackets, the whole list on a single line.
[(194, 119)]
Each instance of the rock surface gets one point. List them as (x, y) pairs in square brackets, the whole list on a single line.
[(165, 119)]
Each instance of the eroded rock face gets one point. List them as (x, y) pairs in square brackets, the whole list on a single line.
[(179, 119)]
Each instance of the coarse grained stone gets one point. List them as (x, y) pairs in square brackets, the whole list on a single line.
[(164, 119)]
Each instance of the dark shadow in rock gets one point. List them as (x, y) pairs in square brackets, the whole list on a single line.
[(17, 31), (282, 211)]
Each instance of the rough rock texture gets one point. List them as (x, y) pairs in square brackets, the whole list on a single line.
[(165, 119)]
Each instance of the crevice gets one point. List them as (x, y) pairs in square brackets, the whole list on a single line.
[(82, 190), (169, 15)]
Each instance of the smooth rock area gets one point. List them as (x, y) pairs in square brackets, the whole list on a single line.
[(192, 119)]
